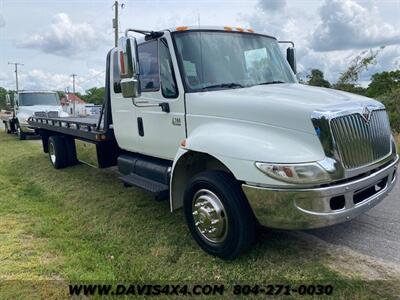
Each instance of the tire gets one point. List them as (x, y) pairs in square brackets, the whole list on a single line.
[(71, 150), (6, 129), (236, 226), (58, 152), (21, 135)]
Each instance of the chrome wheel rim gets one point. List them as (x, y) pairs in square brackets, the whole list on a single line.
[(209, 216), (52, 153)]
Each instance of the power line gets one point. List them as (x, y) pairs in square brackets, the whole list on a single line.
[(115, 23), (73, 90), (16, 64), (90, 78)]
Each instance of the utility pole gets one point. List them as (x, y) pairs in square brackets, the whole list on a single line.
[(16, 64), (73, 90), (115, 23)]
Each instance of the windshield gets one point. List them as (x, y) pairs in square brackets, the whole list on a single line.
[(26, 99), (216, 60)]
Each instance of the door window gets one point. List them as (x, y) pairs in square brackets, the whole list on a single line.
[(149, 67), (168, 82)]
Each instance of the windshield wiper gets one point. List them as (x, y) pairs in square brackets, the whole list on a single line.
[(223, 85), (272, 82)]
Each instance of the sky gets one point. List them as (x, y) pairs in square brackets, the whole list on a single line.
[(56, 38)]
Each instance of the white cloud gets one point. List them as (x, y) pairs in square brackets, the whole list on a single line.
[(2, 21), (272, 5), (38, 79), (65, 38), (300, 24), (349, 25)]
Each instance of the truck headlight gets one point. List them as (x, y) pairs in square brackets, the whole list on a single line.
[(295, 173), (24, 119)]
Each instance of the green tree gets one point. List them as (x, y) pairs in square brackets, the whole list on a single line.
[(383, 83), (316, 78), (3, 102), (349, 78), (392, 103), (3, 93), (94, 95)]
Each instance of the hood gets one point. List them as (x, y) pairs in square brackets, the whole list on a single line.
[(283, 105), (25, 112)]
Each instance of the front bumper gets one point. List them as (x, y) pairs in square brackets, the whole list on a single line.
[(320, 207), (26, 128)]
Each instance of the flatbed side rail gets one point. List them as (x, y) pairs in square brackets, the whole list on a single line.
[(62, 122), (78, 129)]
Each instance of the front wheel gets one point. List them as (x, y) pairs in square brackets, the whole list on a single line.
[(218, 214), (6, 129), (21, 135)]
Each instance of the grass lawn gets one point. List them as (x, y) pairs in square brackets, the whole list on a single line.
[(81, 225)]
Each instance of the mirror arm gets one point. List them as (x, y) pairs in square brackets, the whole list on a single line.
[(286, 42), (148, 33), (164, 105)]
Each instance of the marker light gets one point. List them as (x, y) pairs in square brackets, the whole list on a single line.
[(122, 63)]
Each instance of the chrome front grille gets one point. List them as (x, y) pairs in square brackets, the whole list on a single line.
[(40, 114), (49, 114), (52, 114), (360, 142)]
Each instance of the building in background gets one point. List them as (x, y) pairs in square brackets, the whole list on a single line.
[(82, 107)]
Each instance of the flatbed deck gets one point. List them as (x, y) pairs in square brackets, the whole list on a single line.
[(89, 128)]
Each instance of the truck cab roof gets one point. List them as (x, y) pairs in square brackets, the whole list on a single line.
[(142, 39), (36, 92)]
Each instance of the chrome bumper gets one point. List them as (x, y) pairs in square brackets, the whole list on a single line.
[(26, 128), (319, 207)]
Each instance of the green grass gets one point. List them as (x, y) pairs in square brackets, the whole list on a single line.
[(81, 225)]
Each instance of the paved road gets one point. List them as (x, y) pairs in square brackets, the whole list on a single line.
[(375, 233)]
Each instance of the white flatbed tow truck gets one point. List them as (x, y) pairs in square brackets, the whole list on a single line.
[(214, 120)]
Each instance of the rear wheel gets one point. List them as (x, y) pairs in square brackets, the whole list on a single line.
[(218, 214), (57, 152), (71, 150)]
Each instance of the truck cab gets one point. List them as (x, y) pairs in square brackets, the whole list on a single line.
[(28, 104), (214, 120)]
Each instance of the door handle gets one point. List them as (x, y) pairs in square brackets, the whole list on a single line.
[(164, 107), (140, 126)]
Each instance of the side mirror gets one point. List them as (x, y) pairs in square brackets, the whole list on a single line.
[(129, 67), (291, 58), (15, 99), (8, 100)]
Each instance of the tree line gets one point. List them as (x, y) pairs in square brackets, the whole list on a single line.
[(384, 86)]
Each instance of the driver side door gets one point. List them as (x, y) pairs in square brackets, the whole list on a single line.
[(159, 132)]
